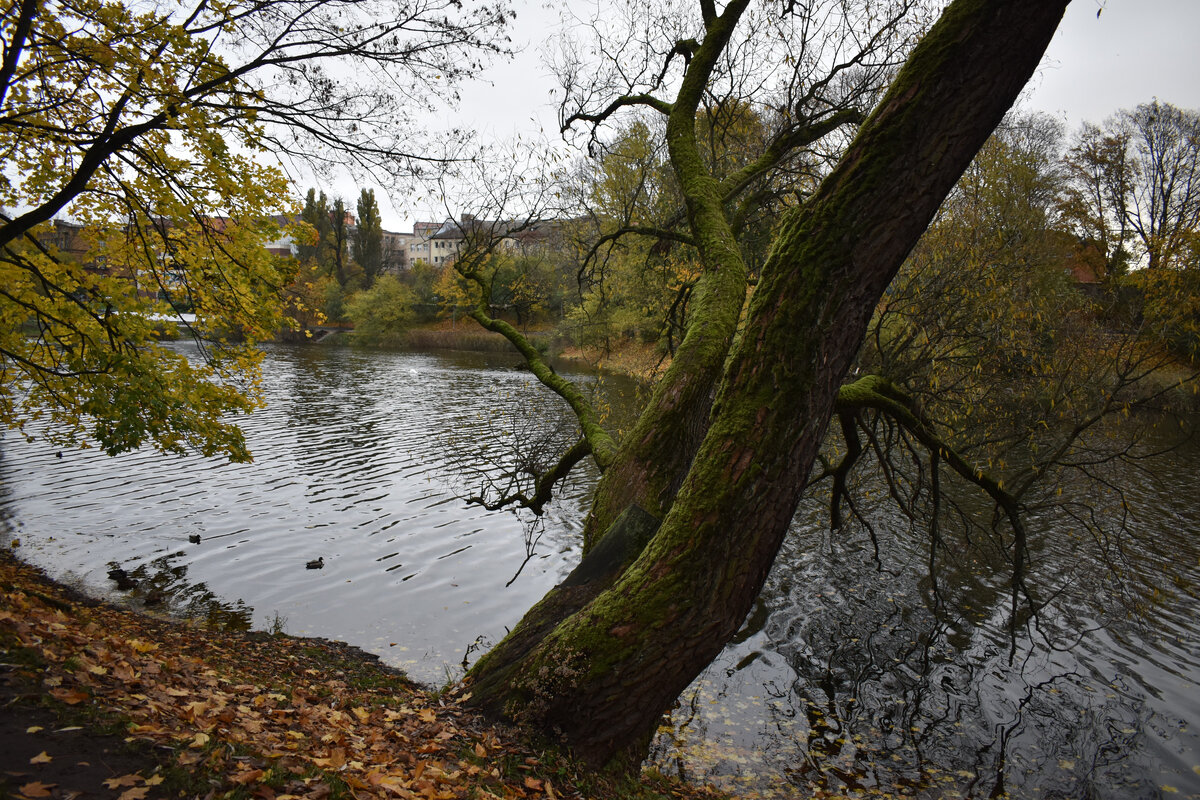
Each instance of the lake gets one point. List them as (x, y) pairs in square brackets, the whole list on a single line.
[(851, 675)]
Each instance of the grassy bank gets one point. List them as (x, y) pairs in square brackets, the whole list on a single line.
[(100, 700)]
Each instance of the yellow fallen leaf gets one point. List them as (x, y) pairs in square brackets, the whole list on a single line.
[(123, 780), (37, 789), (154, 780), (427, 715), (134, 794), (36, 728), (41, 758), (199, 740), (362, 714), (479, 750)]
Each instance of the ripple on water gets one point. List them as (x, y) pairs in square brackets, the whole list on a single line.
[(843, 669)]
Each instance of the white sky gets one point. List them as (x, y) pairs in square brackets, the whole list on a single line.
[(1134, 51)]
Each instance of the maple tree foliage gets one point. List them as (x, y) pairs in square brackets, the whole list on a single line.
[(146, 127)]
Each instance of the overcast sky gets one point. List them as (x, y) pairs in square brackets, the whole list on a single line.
[(1134, 51)]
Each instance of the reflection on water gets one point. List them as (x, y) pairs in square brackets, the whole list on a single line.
[(850, 676), (854, 676), (162, 584), (359, 459)]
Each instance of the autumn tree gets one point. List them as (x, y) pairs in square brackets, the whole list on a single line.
[(144, 125), (1096, 197), (1136, 183), (693, 503), (1165, 206), (986, 339)]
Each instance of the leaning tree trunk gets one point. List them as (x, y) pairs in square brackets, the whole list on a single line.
[(603, 676), (640, 482)]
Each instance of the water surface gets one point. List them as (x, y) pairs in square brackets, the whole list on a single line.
[(852, 675)]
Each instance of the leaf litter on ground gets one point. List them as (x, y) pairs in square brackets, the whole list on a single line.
[(212, 713)]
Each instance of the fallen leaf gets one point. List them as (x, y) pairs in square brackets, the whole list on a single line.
[(154, 780), (480, 750), (69, 696), (34, 729), (123, 780), (533, 783), (41, 758), (134, 794), (427, 715), (199, 740), (248, 776), (37, 789)]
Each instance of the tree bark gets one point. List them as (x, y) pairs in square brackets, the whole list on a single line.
[(640, 481), (603, 676)]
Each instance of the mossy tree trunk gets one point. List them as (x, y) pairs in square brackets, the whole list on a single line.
[(601, 668)]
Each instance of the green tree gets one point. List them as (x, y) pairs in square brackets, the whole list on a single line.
[(337, 244), (148, 126), (382, 314), (314, 238), (368, 236), (693, 503)]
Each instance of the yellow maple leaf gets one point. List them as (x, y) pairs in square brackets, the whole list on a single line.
[(41, 758)]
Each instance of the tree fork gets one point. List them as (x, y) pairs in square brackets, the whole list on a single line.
[(603, 677), (658, 452)]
